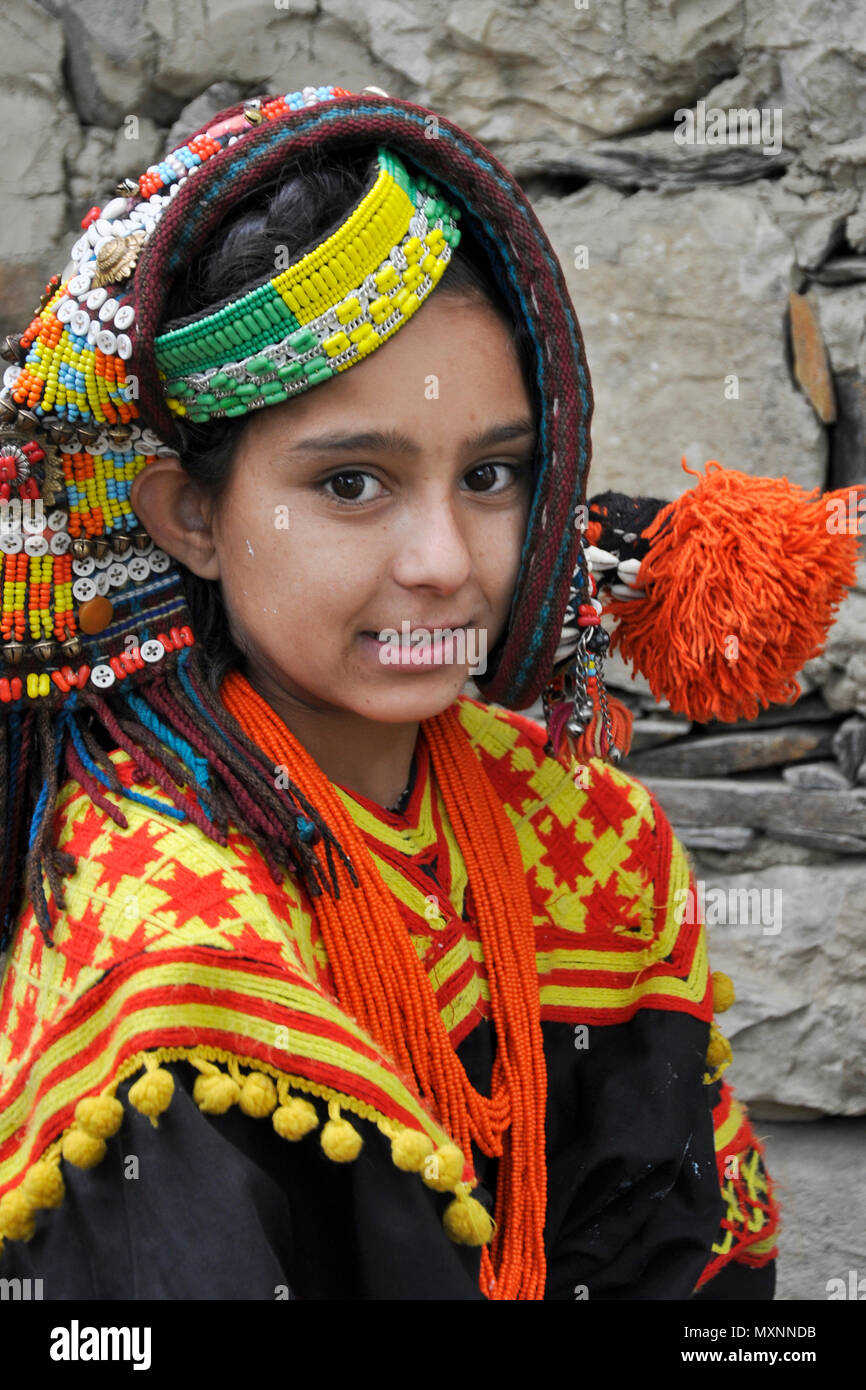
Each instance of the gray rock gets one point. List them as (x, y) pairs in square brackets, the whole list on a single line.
[(791, 940), (848, 449), (808, 708), (650, 288), (46, 135), (652, 161), (727, 838), (824, 776), (649, 733), (849, 745), (825, 840), (764, 853), (761, 804), (817, 1169), (841, 270), (718, 755)]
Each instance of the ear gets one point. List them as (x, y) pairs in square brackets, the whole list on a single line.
[(177, 513)]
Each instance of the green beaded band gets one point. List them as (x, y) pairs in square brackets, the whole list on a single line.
[(321, 315)]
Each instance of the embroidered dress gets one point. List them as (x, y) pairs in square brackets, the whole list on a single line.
[(241, 1133)]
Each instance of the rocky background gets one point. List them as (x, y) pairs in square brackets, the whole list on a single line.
[(721, 289)]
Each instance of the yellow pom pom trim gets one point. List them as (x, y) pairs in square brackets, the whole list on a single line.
[(295, 1119), (443, 1169), (152, 1093), (17, 1215), (466, 1221), (723, 992), (99, 1116), (340, 1141), (44, 1185), (410, 1148), (258, 1095), (719, 1052), (215, 1093), (82, 1150)]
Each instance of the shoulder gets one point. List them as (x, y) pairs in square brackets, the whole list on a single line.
[(607, 877), (148, 881), (512, 750)]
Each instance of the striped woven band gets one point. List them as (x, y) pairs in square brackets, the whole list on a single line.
[(323, 314)]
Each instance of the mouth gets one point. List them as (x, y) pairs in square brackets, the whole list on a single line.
[(416, 627)]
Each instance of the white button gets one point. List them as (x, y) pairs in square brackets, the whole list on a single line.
[(32, 525), (124, 317), (124, 347), (80, 322), (159, 561), (11, 375), (11, 542), (103, 676), (58, 520), (36, 545), (102, 583), (116, 574), (149, 442), (108, 310), (96, 298), (92, 332), (138, 569), (100, 445), (106, 342), (60, 543), (152, 650), (103, 561), (79, 283), (84, 566), (83, 589), (104, 227), (66, 309)]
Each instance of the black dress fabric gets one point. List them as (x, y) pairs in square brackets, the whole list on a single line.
[(220, 1207)]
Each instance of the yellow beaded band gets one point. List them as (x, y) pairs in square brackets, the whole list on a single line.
[(321, 315)]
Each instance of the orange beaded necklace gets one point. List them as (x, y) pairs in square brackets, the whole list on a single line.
[(381, 982)]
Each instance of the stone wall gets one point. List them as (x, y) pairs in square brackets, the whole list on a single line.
[(721, 288)]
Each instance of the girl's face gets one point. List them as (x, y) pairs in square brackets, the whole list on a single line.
[(397, 493)]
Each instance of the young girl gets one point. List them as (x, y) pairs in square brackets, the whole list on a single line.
[(325, 980)]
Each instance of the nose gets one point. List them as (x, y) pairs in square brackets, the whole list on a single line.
[(433, 548)]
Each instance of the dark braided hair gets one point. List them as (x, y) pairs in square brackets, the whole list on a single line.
[(175, 728)]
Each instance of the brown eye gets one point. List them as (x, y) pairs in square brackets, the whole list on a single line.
[(494, 477), (348, 485), (486, 472)]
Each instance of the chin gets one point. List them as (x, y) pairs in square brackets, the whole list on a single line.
[(398, 705)]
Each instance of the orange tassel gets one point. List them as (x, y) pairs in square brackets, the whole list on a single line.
[(590, 743), (741, 589)]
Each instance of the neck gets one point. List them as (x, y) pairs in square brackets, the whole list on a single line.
[(365, 756)]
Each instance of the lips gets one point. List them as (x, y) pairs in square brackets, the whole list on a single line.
[(417, 627)]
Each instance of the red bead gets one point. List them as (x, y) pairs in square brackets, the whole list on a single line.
[(89, 217)]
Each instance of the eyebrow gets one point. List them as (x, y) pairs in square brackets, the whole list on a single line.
[(395, 442)]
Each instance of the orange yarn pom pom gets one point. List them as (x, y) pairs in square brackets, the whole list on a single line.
[(741, 580)]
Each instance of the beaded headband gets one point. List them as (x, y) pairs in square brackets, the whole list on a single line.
[(323, 314)]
